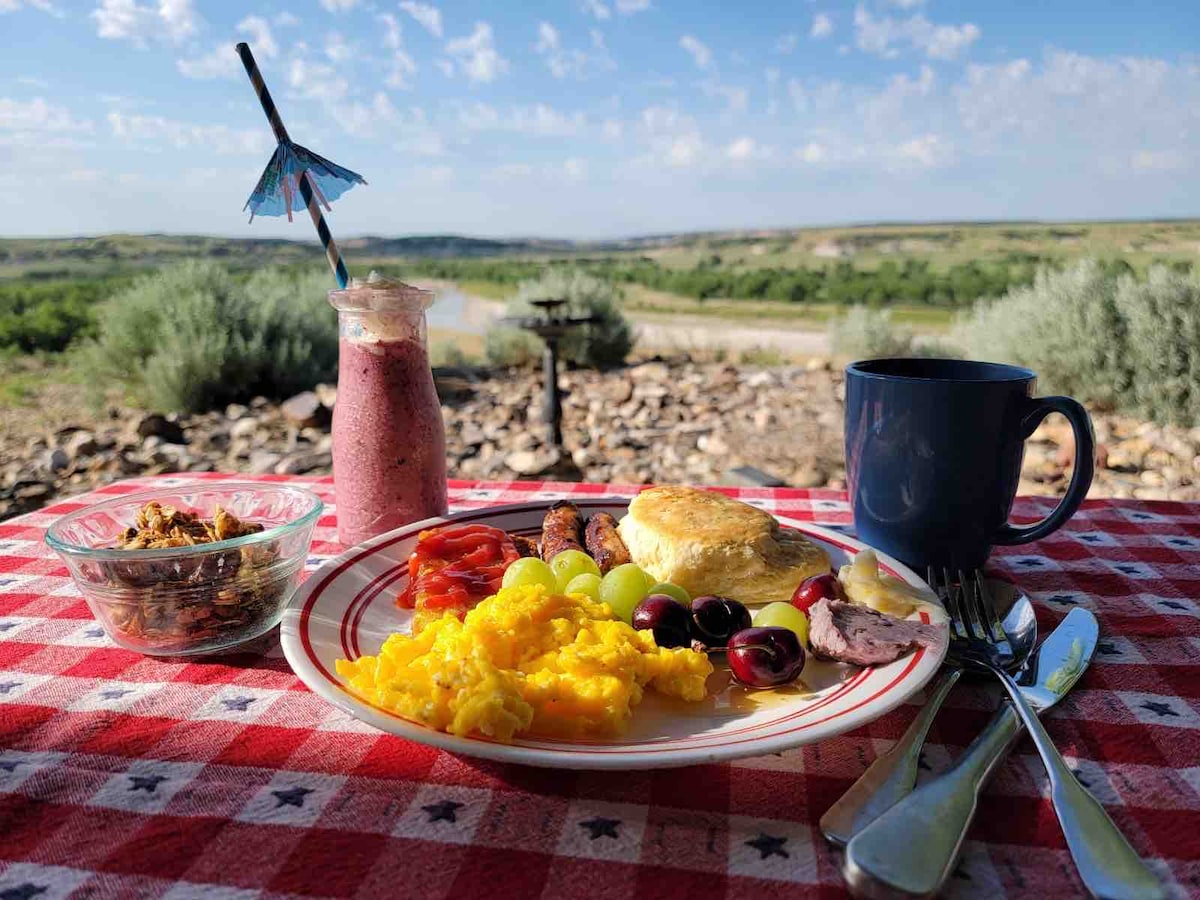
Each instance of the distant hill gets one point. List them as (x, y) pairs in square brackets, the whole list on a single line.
[(948, 242)]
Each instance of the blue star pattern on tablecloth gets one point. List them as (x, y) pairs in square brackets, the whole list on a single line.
[(114, 693), (94, 632), (1161, 709), (599, 827), (446, 811), (768, 845), (6, 686), (147, 783), (7, 626), (240, 704), (25, 891), (291, 797), (9, 765), (1065, 599)]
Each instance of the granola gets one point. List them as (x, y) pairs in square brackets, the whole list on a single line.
[(178, 601)]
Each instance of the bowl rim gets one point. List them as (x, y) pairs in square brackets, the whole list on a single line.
[(60, 545)]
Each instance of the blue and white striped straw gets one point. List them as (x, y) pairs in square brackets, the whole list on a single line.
[(304, 182)]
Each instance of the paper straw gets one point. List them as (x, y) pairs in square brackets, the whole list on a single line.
[(304, 182)]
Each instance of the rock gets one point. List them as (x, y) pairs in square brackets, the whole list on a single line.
[(531, 462), (56, 460), (243, 429), (327, 394), (80, 443), (652, 371), (158, 425), (305, 410), (236, 411), (809, 477), (818, 364), (299, 463), (263, 462)]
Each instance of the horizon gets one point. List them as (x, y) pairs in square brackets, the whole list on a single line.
[(596, 120), (518, 238)]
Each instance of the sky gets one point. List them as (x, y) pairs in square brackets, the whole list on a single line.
[(600, 118)]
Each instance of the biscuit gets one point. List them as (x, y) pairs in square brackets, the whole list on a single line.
[(708, 543)]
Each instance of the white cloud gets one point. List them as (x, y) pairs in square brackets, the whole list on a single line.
[(38, 116), (32, 81), (927, 151), (629, 7), (286, 20), (884, 36), (596, 8), (476, 55), (539, 120), (786, 43), (822, 26), (906, 4), (171, 20), (812, 153), (426, 14), (222, 61), (737, 98), (8, 6), (400, 66), (563, 62), (685, 150), (339, 6), (446, 66), (259, 31), (1157, 161), (612, 129), (699, 52), (363, 119), (337, 48), (574, 168), (316, 81), (741, 149), (182, 135)]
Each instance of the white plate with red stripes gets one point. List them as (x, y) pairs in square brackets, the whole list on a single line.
[(347, 608)]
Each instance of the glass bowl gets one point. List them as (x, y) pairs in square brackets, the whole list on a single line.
[(198, 599)]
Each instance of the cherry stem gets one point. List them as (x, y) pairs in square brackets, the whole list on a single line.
[(767, 647)]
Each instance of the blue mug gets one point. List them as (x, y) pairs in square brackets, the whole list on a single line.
[(933, 457)]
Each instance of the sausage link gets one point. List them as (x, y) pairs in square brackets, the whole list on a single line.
[(562, 529), (604, 543), (525, 546)]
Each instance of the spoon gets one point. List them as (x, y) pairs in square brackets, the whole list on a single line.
[(893, 775)]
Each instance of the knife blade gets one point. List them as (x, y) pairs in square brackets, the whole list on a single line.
[(911, 849)]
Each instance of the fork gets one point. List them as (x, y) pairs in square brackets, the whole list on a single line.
[(1107, 864)]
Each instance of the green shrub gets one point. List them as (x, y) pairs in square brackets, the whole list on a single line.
[(1101, 335), (865, 333), (49, 315), (599, 345), (1162, 328), (1065, 326), (190, 337)]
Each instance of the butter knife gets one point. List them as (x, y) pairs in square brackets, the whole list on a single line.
[(911, 849)]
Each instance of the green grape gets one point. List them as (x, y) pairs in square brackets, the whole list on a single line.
[(587, 583), (623, 588), (674, 591), (569, 563), (529, 571), (783, 615)]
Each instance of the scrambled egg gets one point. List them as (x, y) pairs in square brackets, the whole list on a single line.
[(865, 584), (525, 661)]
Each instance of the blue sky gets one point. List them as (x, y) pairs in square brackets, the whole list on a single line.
[(597, 118)]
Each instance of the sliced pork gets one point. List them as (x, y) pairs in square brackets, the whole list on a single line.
[(856, 634)]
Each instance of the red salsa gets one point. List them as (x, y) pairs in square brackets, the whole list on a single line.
[(453, 568)]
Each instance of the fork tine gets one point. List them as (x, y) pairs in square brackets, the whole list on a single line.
[(953, 607), (973, 606), (991, 619)]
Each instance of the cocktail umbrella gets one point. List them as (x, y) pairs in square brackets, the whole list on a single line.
[(296, 178)]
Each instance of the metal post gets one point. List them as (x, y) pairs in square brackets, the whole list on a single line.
[(553, 408)]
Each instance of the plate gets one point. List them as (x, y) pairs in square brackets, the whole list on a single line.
[(347, 608)]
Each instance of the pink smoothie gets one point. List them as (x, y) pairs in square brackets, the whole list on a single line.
[(389, 448)]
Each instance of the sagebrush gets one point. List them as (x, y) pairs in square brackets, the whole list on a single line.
[(191, 337), (1107, 338), (601, 344)]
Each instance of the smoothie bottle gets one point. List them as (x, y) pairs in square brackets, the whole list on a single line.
[(389, 448)]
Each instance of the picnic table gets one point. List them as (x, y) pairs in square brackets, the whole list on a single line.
[(122, 775)]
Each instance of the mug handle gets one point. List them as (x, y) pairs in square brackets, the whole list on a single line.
[(1081, 479)]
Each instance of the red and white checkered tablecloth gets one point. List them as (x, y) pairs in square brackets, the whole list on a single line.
[(127, 776)]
